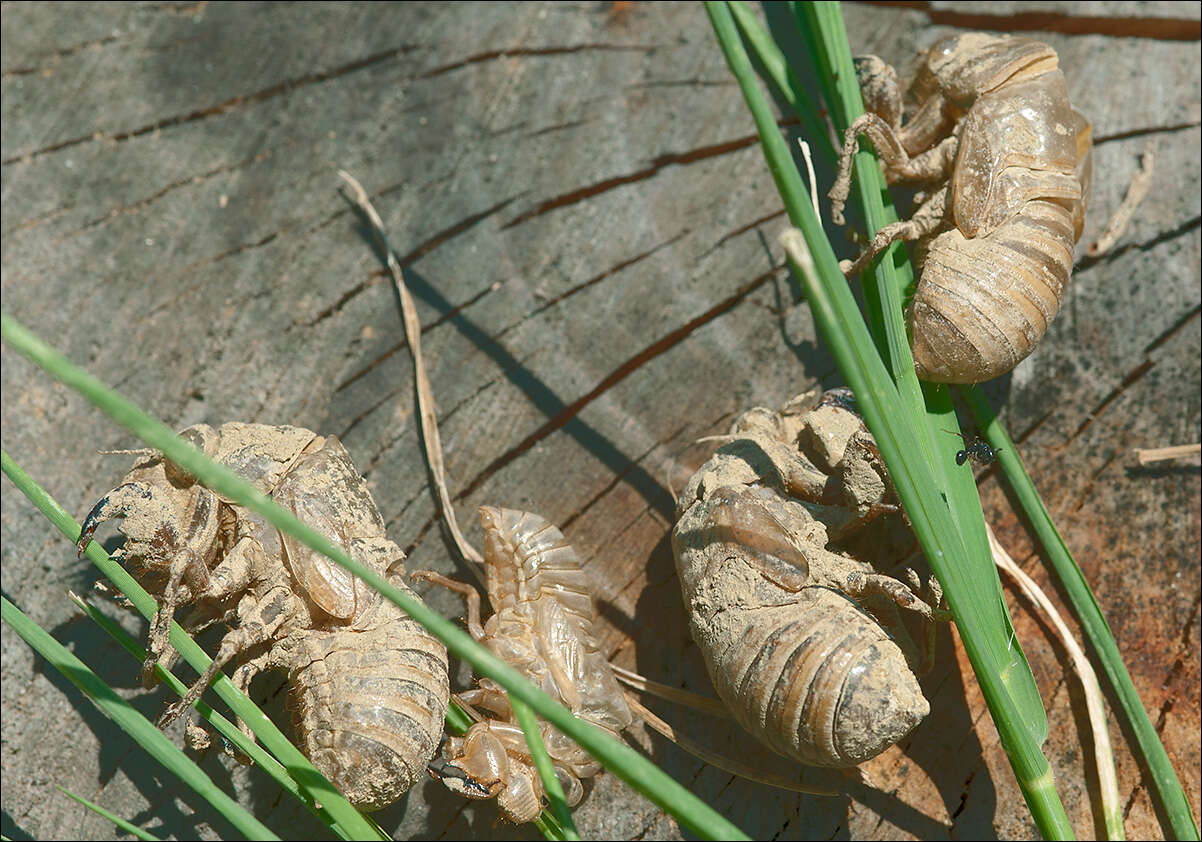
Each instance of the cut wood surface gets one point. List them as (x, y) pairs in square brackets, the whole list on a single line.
[(586, 221)]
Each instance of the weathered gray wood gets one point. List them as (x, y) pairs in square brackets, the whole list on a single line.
[(590, 234)]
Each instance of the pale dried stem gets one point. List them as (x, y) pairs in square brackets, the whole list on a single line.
[(1161, 454), (805, 153), (705, 704), (425, 395), (1138, 189), (734, 767), (1112, 808)]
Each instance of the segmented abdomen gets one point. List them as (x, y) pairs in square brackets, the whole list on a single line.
[(543, 623), (526, 556), (800, 665), (817, 679), (369, 706), (983, 304)]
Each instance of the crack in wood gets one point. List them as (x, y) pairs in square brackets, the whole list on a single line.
[(1132, 376), (444, 317), (1144, 132), (1173, 329), (571, 124), (680, 83), (617, 478), (1180, 230), (580, 287), (658, 163), (743, 229), (230, 104), (514, 52), (38, 219), (207, 261), (1162, 29), (1087, 488), (422, 249), (54, 56), (200, 178), (965, 787)]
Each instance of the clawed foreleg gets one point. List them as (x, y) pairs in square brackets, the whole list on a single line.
[(925, 220), (470, 595), (931, 165), (259, 621)]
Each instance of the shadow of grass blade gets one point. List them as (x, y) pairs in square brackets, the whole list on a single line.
[(347, 821), (140, 729), (616, 756)]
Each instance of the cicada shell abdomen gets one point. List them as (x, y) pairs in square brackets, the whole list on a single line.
[(369, 706), (800, 665), (990, 287), (369, 685), (544, 619), (526, 557), (984, 304), (990, 123)]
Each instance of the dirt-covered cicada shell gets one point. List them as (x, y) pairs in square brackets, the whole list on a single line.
[(1007, 162), (542, 625), (805, 645), (368, 684)]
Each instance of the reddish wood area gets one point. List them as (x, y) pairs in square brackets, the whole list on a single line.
[(586, 221)]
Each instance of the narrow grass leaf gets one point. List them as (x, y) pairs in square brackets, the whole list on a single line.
[(128, 827), (784, 80), (139, 728), (841, 325), (546, 771), (1165, 783), (228, 730), (825, 21)]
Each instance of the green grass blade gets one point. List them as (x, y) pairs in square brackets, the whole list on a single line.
[(313, 785), (457, 720), (1165, 782), (821, 29), (228, 730), (548, 826), (841, 325), (139, 728), (783, 78), (825, 22), (846, 106), (128, 827), (546, 771), (622, 760)]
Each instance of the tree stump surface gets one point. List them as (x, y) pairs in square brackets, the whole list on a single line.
[(588, 226)]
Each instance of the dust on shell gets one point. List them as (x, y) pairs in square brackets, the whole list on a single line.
[(804, 665)]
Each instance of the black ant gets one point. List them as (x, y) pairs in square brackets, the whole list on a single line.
[(974, 449), (842, 397)]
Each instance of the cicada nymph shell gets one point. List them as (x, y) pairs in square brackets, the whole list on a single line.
[(803, 644), (1008, 162), (369, 685), (542, 624)]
